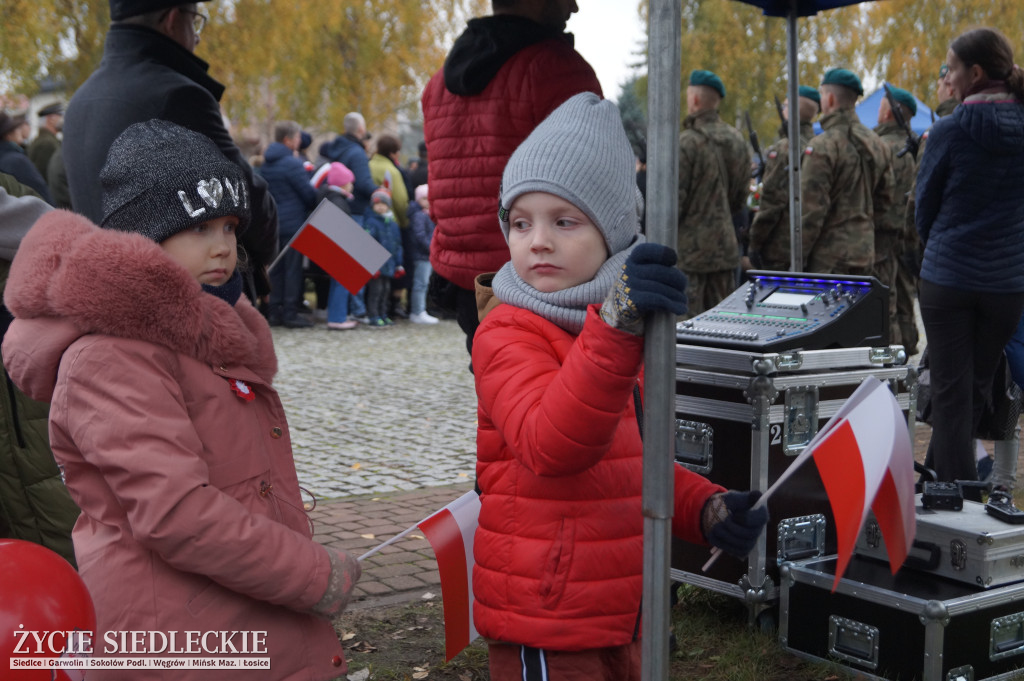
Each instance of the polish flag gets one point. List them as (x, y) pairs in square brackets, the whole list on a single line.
[(336, 242), (865, 459), (450, 533)]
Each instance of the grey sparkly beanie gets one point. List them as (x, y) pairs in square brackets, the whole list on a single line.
[(161, 178), (580, 153)]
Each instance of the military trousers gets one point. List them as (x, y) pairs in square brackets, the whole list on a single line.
[(885, 272), (906, 293), (704, 290)]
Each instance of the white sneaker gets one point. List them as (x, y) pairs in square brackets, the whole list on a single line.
[(422, 318)]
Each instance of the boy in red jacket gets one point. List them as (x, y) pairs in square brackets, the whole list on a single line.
[(559, 557)]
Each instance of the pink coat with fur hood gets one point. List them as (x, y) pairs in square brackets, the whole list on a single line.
[(191, 517)]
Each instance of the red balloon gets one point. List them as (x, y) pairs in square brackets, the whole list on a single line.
[(39, 592)]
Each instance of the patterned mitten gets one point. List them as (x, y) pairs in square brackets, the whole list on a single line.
[(345, 572), (649, 282)]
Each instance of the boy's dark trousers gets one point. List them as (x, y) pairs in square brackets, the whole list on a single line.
[(378, 291), (510, 662)]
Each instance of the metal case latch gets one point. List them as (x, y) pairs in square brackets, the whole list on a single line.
[(694, 445), (1006, 636), (801, 537), (801, 420), (965, 673), (853, 641), (788, 361)]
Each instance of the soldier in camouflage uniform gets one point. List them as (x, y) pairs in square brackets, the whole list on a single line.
[(769, 233), (847, 183), (714, 171), (890, 232), (910, 261)]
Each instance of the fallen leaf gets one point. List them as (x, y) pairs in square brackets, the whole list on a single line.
[(463, 475), (363, 647), (420, 675), (428, 596), (368, 536), (361, 675), (420, 669), (348, 636), (417, 536), (356, 466)]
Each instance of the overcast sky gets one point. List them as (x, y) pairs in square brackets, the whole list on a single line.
[(608, 33)]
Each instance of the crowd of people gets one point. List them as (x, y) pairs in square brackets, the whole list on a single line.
[(155, 297)]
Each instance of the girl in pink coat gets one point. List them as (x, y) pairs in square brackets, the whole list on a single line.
[(164, 422), (559, 546)]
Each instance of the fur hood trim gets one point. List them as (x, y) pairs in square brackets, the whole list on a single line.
[(124, 285)]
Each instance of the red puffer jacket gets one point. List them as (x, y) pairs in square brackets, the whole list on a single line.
[(559, 547), (469, 140)]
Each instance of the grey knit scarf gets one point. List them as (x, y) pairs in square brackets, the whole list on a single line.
[(566, 308)]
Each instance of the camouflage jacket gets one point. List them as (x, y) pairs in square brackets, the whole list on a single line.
[(714, 171), (889, 234), (847, 187), (769, 232)]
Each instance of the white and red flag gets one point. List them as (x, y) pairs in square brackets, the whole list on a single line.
[(865, 458), (336, 242), (450, 533)]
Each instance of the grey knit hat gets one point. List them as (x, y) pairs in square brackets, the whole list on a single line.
[(161, 178), (580, 153)]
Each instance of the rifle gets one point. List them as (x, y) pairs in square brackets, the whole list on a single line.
[(913, 143), (758, 172), (778, 110)]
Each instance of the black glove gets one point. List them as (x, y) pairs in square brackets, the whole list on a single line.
[(731, 524), (649, 282)]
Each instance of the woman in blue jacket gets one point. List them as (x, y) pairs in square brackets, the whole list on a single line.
[(970, 215)]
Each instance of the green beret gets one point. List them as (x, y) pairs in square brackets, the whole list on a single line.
[(55, 108), (904, 98), (708, 79), (808, 92), (845, 78)]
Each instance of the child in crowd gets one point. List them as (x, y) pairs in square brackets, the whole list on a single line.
[(163, 418), (422, 232), (559, 548), (334, 181), (380, 223)]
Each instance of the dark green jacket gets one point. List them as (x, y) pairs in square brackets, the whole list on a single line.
[(34, 504)]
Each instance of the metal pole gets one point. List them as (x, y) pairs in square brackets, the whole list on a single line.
[(796, 248), (663, 101)]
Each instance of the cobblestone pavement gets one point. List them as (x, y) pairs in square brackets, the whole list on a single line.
[(373, 411)]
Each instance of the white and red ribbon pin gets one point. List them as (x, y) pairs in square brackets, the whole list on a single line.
[(242, 389)]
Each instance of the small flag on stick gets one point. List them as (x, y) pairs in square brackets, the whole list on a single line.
[(865, 459), (336, 242), (450, 533)]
